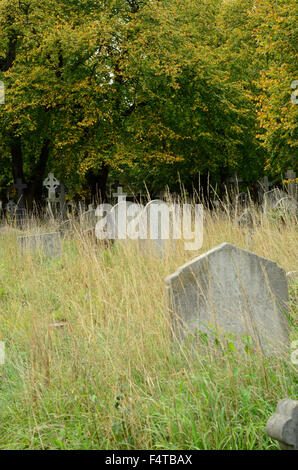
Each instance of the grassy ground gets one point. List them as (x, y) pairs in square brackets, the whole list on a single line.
[(89, 363)]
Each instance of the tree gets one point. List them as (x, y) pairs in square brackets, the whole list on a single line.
[(277, 115)]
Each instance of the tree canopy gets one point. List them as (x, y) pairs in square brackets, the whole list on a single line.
[(155, 91)]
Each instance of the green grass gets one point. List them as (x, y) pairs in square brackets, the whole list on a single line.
[(89, 361)]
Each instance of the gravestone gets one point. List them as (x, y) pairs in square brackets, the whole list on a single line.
[(51, 183), (264, 186), (49, 243), (120, 195), (283, 425), (233, 291)]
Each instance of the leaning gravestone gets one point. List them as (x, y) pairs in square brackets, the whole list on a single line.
[(233, 291), (49, 243)]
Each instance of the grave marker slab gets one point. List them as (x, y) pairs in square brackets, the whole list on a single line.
[(234, 291), (49, 243)]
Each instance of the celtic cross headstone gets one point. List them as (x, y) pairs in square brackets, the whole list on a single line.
[(51, 183)]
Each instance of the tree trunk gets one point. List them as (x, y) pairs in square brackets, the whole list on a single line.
[(34, 191), (97, 182), (17, 158)]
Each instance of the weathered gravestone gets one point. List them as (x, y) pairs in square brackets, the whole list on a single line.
[(232, 291), (264, 186), (49, 243), (283, 425)]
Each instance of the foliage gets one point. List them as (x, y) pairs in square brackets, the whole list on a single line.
[(160, 91)]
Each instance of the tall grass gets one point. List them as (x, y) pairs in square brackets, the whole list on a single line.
[(89, 362)]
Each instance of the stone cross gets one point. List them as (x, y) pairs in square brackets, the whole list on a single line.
[(264, 187), (265, 183), (283, 425), (2, 93), (231, 291), (120, 195), (51, 183)]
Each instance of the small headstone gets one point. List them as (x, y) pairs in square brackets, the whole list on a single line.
[(233, 291), (283, 425), (49, 243)]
